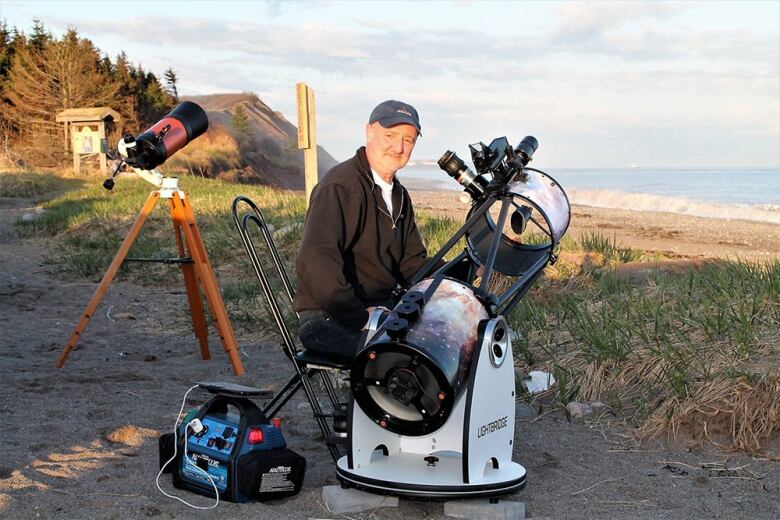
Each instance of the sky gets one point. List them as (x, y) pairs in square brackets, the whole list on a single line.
[(599, 84)]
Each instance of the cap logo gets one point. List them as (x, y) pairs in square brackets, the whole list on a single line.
[(404, 111)]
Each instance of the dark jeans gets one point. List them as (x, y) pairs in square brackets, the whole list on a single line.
[(321, 333)]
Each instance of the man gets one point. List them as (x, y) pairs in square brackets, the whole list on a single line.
[(359, 239)]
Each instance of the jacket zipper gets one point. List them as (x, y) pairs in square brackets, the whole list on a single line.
[(388, 215)]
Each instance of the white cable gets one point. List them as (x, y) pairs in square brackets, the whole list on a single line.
[(175, 450)]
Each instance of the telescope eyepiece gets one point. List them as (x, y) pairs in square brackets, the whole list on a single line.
[(457, 169), (452, 164), (525, 150)]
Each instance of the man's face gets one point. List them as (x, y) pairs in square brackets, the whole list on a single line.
[(388, 149)]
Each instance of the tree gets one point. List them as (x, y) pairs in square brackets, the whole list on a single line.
[(40, 37), (154, 100), (171, 81), (240, 121), (7, 44), (41, 75), (46, 80)]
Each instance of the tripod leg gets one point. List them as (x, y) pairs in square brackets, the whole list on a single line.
[(208, 281), (106, 281), (193, 290)]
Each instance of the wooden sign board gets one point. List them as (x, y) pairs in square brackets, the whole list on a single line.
[(86, 140)]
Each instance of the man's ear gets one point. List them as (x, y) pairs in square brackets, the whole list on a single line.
[(369, 133)]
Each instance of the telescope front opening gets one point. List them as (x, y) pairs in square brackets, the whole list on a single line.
[(400, 391)]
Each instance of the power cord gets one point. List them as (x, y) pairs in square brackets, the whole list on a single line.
[(196, 427)]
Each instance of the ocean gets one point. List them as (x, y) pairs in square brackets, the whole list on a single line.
[(732, 193)]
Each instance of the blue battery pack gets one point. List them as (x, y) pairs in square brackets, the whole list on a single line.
[(237, 447)]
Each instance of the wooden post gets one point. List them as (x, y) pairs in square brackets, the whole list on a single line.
[(307, 136), (74, 144), (101, 136)]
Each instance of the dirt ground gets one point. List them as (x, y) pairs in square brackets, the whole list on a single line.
[(81, 441)]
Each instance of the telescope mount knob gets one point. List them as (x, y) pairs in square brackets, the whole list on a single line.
[(397, 328), (414, 297), (408, 311)]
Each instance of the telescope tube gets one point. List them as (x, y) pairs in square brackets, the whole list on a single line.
[(409, 376), (153, 147)]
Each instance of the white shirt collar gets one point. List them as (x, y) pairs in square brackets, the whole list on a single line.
[(381, 182), (387, 190)]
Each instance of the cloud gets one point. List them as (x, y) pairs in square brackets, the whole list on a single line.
[(594, 69), (585, 22), (646, 31)]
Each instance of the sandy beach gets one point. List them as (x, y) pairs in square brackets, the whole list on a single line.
[(675, 235), (81, 441)]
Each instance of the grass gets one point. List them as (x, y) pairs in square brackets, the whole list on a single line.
[(610, 249), (32, 185), (89, 224), (693, 355)]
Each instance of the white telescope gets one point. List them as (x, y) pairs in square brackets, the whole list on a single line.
[(433, 407)]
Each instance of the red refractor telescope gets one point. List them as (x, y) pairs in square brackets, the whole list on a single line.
[(170, 134)]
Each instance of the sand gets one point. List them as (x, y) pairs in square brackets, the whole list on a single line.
[(80, 442), (673, 234)]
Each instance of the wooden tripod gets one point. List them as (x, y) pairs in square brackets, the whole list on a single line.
[(198, 275)]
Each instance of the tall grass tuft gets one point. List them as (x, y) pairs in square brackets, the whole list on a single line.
[(610, 249), (683, 353)]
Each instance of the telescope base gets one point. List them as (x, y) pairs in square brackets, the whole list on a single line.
[(409, 476)]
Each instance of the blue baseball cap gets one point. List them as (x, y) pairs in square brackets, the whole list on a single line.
[(391, 112)]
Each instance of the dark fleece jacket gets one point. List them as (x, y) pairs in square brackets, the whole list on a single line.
[(353, 252)]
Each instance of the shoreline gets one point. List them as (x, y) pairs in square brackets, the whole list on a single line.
[(605, 198), (675, 235)]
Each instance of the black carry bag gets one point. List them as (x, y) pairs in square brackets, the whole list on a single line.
[(165, 449), (271, 475)]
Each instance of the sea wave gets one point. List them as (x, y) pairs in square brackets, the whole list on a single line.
[(646, 202)]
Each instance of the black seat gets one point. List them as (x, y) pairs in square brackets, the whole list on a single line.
[(310, 357)]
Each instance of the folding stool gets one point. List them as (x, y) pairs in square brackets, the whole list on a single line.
[(307, 365)]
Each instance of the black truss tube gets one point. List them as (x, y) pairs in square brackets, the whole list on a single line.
[(514, 294), (446, 267), (498, 235), (422, 273)]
